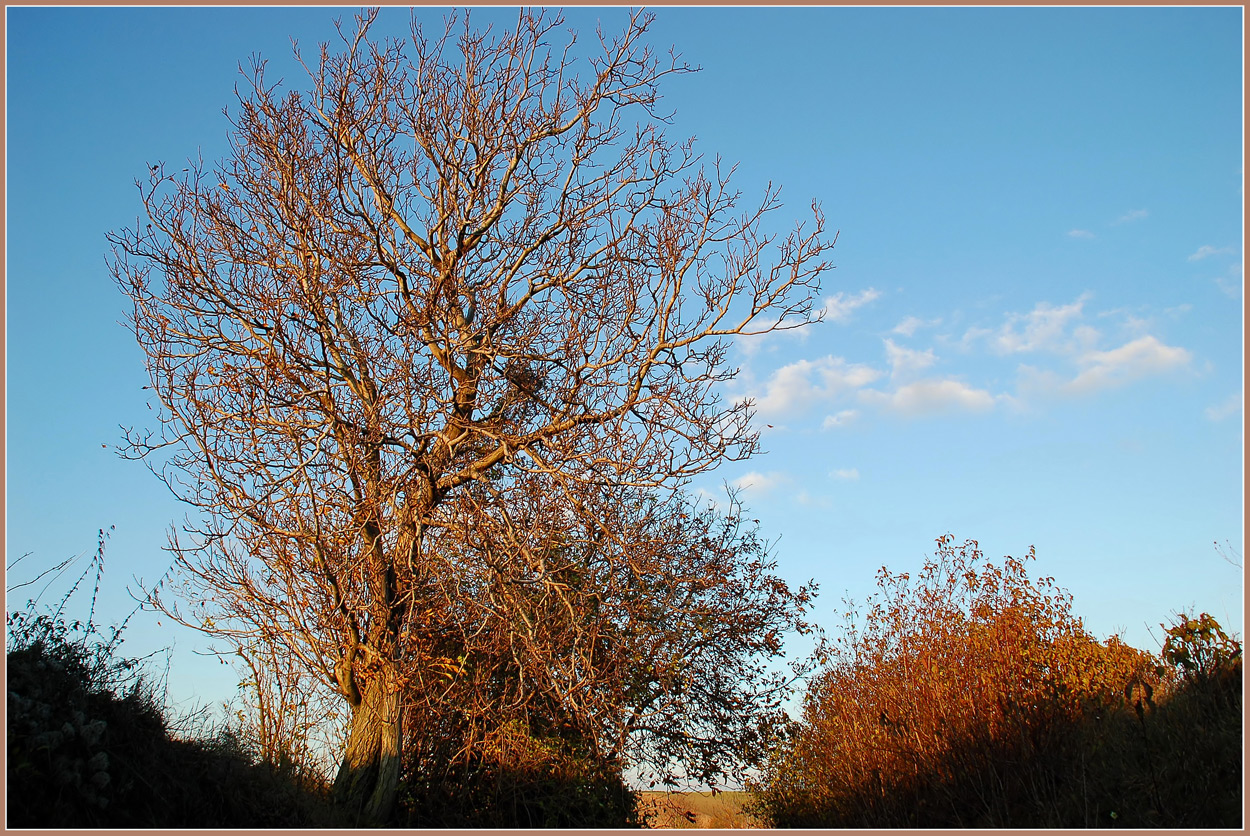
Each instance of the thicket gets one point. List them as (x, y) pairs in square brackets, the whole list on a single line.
[(973, 696), (518, 776), (91, 742), (968, 696)]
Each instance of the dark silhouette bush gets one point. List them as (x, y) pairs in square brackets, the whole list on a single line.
[(1171, 758), (89, 746)]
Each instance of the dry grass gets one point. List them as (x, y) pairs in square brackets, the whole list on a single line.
[(696, 810)]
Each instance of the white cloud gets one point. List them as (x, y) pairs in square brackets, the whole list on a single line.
[(836, 308), (759, 483), (1229, 406), (1133, 325), (750, 345), (930, 396), (972, 335), (1086, 336), (1206, 250), (1230, 284), (1080, 233), (848, 473), (1134, 215), (841, 419), (705, 498), (839, 306), (904, 361), (797, 385), (1042, 329), (1140, 358), (1031, 380), (909, 325)]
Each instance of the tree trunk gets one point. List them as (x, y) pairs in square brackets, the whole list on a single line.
[(368, 779)]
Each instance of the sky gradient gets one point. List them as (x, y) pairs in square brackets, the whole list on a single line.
[(1033, 335)]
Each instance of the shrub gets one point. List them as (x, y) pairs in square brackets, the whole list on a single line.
[(956, 701), (1175, 759), (90, 744), (1200, 650), (516, 776)]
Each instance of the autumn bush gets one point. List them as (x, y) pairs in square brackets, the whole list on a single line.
[(516, 776), (972, 695), (1172, 759)]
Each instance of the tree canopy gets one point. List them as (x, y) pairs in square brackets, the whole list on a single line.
[(437, 344)]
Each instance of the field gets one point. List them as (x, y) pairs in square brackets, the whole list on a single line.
[(696, 810)]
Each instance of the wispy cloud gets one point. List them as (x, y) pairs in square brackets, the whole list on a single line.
[(1206, 250), (810, 500), (1228, 407), (759, 483), (1080, 233), (796, 386), (839, 306), (766, 341), (706, 498), (905, 361), (1137, 359), (840, 419), (1134, 215), (1045, 328), (749, 345), (925, 397), (1230, 284), (849, 474), (909, 325)]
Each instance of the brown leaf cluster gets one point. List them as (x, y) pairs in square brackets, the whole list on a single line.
[(957, 672)]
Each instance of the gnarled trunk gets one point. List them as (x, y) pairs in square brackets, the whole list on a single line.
[(368, 779)]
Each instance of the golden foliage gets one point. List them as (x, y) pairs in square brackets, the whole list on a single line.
[(968, 665)]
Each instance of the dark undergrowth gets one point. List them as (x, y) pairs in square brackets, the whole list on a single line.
[(557, 793), (90, 746)]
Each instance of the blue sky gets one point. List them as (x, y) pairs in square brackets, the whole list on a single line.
[(1034, 332)]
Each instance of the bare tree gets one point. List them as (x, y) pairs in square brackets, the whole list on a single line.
[(284, 713), (449, 287)]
